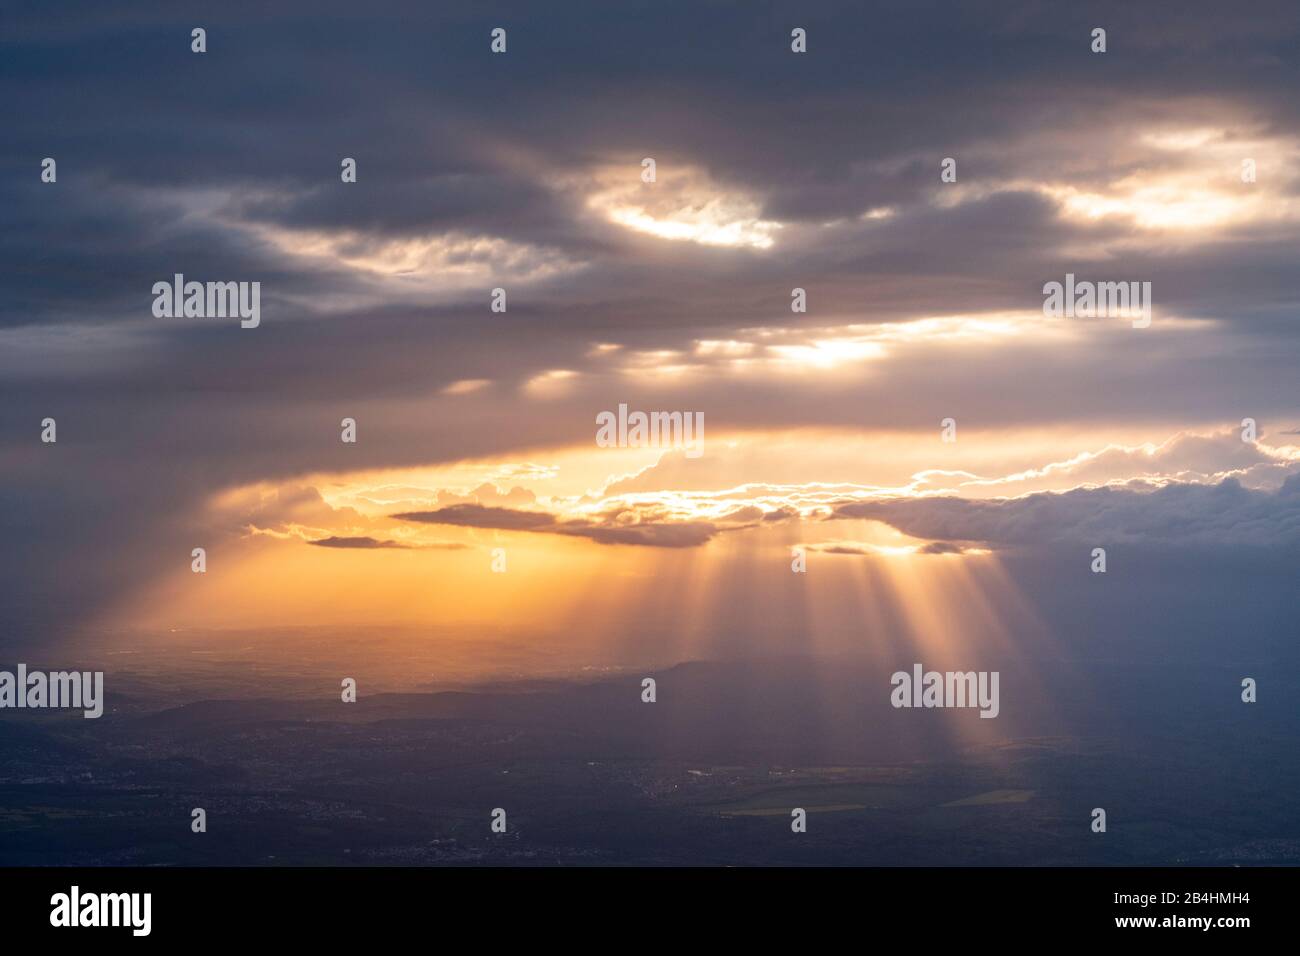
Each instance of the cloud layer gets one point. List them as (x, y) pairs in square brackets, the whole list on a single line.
[(775, 171)]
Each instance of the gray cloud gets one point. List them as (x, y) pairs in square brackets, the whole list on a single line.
[(482, 516), (1225, 516), (610, 528), (334, 541), (160, 177)]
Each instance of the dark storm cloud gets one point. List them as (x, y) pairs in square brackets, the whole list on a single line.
[(450, 138), (173, 162)]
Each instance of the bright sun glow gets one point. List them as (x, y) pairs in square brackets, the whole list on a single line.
[(685, 206)]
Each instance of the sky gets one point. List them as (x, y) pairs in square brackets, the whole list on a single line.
[(774, 170)]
